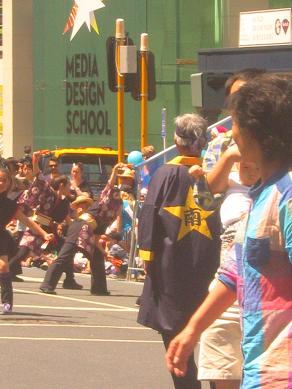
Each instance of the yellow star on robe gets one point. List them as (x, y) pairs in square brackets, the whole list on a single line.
[(193, 218)]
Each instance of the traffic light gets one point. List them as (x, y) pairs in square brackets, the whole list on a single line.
[(208, 90), (135, 92), (132, 80), (112, 69)]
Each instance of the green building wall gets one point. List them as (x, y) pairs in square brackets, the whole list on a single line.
[(177, 29)]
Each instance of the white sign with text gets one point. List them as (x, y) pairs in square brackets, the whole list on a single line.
[(267, 27)]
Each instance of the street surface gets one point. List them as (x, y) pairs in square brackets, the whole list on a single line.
[(73, 340)]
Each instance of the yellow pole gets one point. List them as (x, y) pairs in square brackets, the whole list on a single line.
[(120, 40), (144, 48)]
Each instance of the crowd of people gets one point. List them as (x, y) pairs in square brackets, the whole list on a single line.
[(56, 224), (214, 234)]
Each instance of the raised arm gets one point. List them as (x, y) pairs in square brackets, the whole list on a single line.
[(112, 180), (33, 226), (217, 178), (35, 163)]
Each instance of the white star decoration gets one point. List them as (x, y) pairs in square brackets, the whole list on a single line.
[(85, 14)]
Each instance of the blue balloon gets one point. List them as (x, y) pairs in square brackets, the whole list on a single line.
[(135, 157)]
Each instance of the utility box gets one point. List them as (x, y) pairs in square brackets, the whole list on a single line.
[(196, 89), (128, 59), (208, 90)]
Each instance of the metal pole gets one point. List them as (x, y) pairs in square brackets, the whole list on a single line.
[(144, 48), (120, 40), (163, 128)]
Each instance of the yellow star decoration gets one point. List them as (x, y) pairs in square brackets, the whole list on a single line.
[(193, 218)]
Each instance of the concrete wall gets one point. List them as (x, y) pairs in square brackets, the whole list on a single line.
[(17, 77), (231, 18)]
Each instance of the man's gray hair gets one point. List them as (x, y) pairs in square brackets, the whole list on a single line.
[(191, 126)]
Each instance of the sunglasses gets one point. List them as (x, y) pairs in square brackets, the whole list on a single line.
[(53, 166)]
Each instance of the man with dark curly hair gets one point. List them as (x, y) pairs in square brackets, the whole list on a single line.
[(258, 266), (220, 357)]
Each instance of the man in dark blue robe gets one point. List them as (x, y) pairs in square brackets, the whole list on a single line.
[(179, 243)]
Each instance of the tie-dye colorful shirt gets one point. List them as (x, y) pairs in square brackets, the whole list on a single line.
[(259, 267)]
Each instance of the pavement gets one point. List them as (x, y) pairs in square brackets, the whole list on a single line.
[(73, 340)]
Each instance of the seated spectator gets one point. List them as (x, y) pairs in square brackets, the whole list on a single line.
[(81, 263), (117, 254)]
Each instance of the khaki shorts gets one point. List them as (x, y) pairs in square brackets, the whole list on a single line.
[(220, 356)]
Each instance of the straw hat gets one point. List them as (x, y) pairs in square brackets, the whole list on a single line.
[(127, 173), (80, 200)]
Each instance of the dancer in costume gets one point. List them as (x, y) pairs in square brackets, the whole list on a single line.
[(9, 210)]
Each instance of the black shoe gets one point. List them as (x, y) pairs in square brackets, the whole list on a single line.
[(17, 279), (72, 284), (37, 263), (47, 291), (44, 266), (106, 293)]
